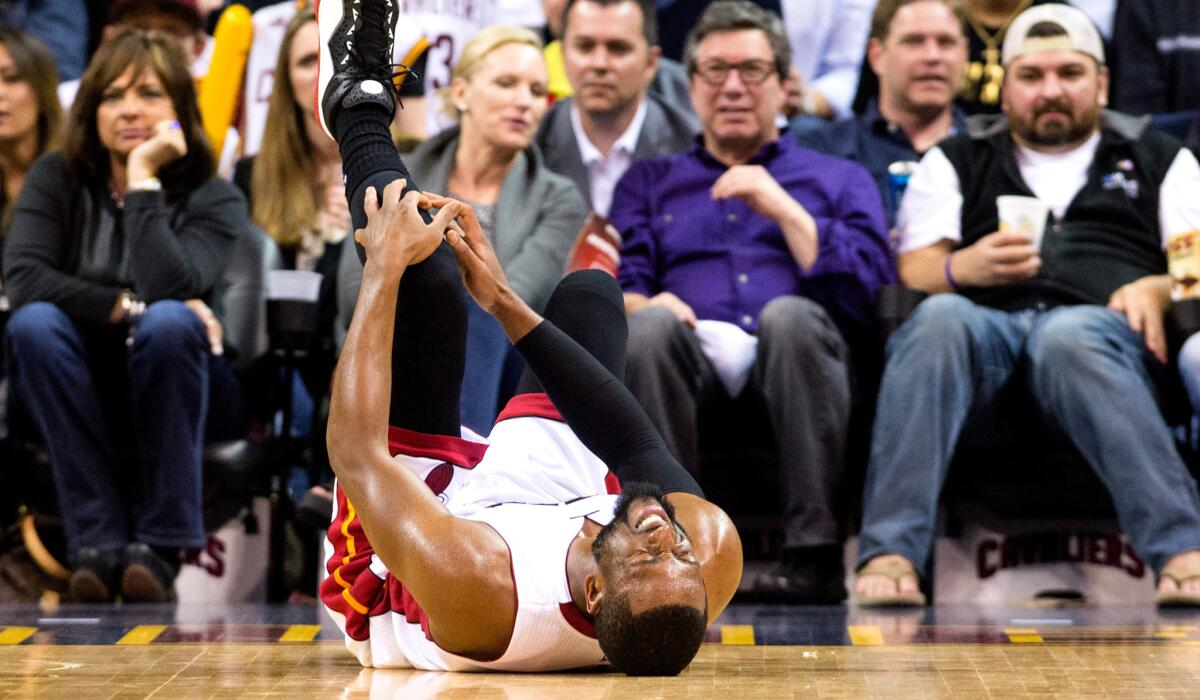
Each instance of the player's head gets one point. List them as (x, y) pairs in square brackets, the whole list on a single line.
[(648, 596)]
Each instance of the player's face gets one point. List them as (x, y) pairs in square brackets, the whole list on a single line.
[(646, 554), (921, 60), (736, 113), (302, 65), (606, 56), (506, 97), (1053, 98)]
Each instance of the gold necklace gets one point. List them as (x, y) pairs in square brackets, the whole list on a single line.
[(990, 74)]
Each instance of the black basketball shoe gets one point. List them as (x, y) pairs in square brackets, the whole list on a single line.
[(356, 56)]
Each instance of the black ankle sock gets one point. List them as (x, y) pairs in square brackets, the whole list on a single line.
[(365, 143)]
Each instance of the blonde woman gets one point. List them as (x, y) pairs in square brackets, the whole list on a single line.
[(294, 183), (498, 95)]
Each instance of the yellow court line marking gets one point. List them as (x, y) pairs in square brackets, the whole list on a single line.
[(1023, 635), (15, 635), (300, 633), (142, 634), (865, 636), (737, 635)]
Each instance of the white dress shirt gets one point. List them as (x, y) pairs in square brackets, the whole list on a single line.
[(603, 173)]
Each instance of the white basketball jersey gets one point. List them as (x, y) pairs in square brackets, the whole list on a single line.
[(447, 25), (270, 24), (534, 483), (548, 635)]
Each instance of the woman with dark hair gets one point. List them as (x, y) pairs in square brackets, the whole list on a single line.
[(30, 118), (115, 248)]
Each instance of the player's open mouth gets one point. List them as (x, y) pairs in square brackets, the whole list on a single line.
[(652, 517)]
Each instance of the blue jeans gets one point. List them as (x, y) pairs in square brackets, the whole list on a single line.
[(488, 370), (66, 377), (1085, 368), (1189, 369)]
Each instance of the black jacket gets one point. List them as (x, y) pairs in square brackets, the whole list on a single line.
[(71, 245), (1155, 59)]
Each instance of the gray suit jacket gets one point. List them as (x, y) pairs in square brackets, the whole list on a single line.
[(665, 131), (538, 216)]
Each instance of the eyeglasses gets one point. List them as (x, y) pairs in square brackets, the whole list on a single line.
[(749, 72)]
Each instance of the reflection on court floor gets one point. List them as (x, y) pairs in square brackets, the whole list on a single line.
[(753, 651)]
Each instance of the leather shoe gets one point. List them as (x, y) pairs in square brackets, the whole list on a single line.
[(808, 576), (148, 577), (95, 576)]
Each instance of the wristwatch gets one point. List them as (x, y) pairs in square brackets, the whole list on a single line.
[(132, 308)]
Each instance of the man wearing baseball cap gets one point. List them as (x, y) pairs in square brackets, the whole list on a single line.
[(1076, 319), (181, 19)]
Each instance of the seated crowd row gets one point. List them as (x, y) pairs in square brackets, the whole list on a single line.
[(751, 255)]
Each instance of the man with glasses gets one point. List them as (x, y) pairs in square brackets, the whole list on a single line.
[(747, 246)]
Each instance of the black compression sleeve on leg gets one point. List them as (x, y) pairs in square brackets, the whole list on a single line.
[(601, 411), (429, 343)]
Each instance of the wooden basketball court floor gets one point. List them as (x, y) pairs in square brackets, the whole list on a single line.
[(753, 651)]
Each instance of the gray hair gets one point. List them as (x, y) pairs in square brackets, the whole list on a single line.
[(731, 16)]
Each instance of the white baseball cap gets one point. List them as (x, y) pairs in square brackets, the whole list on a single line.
[(1081, 34)]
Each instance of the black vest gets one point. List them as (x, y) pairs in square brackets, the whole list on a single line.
[(1109, 234)]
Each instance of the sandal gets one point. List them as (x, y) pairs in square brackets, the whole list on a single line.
[(1179, 573), (891, 569)]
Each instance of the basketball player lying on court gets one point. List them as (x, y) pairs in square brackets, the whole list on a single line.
[(450, 553)]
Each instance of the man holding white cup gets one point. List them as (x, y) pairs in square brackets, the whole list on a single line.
[(1080, 310)]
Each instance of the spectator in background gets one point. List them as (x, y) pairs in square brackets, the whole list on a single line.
[(115, 246), (179, 19), (532, 215), (30, 125), (986, 23), (827, 39), (294, 186), (1156, 57), (669, 82), (747, 238), (62, 25), (611, 56), (918, 51), (1078, 320), (30, 118)]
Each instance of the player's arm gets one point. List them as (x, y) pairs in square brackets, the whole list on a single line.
[(602, 412), (458, 570)]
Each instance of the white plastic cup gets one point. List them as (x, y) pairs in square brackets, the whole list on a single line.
[(1023, 214)]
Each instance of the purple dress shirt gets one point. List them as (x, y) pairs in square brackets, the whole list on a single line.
[(726, 261)]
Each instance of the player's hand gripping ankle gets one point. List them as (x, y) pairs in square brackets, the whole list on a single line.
[(396, 236)]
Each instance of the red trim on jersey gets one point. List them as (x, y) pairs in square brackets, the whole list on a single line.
[(530, 406), (612, 484), (352, 589), (455, 450), (574, 617)]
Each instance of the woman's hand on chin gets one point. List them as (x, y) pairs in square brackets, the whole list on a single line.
[(167, 144)]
